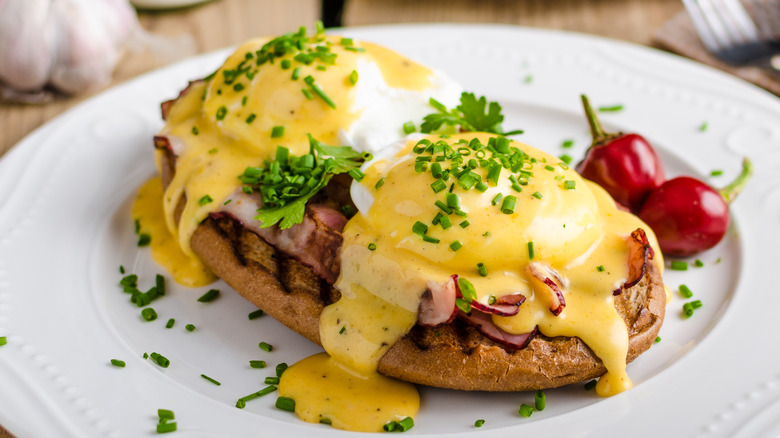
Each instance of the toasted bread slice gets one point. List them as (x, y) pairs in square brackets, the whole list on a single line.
[(453, 356)]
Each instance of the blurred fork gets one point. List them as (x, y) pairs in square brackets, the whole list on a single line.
[(728, 32)]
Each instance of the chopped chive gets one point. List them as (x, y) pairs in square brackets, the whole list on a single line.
[(438, 186), (118, 363), (703, 127), (343, 330), (307, 93), (508, 204), (657, 340), (149, 314), (590, 385), (567, 143), (319, 92), (206, 199), (251, 118), (244, 100), (271, 381), (406, 424), (443, 207), (238, 87), (296, 73), (353, 78), (372, 246), (213, 151), (492, 300), (612, 108), (325, 420), (121, 269), (170, 323), (685, 291), (190, 327), (144, 239), (409, 127), (537, 195), (566, 158), (539, 400), (482, 269), (221, 112), (347, 42), (210, 379), (257, 363), (166, 427), (241, 403), (525, 410), (285, 404), (195, 130), (209, 296), (165, 414), (679, 265), (531, 250), (265, 346), (456, 245), (379, 183), (419, 228), (496, 199), (464, 224), (256, 314), (452, 201), (280, 369), (600, 268), (569, 185), (528, 79), (277, 131), (445, 222), (479, 423), (430, 239), (160, 360), (716, 172), (356, 174), (698, 263)]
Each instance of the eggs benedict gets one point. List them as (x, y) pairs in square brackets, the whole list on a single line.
[(462, 260)]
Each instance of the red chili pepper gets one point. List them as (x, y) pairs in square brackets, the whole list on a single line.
[(625, 165), (689, 216)]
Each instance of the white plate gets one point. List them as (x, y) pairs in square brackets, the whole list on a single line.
[(65, 228)]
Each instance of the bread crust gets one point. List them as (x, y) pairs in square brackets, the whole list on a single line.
[(452, 356)]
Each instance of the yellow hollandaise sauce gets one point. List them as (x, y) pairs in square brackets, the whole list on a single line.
[(148, 212), (486, 210), (267, 94), (326, 391)]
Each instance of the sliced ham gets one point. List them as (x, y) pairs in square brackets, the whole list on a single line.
[(551, 285), (437, 305), (639, 254), (484, 323), (165, 107), (316, 241)]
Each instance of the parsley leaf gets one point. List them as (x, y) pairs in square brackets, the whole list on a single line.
[(473, 114), (287, 183)]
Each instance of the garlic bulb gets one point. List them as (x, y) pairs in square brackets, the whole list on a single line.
[(70, 45)]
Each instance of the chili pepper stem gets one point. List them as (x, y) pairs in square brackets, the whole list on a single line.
[(731, 191), (596, 130)]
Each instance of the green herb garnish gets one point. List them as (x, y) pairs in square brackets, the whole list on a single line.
[(476, 115)]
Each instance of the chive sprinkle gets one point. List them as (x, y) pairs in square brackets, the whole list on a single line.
[(144, 239), (379, 183), (121, 269), (195, 130), (399, 426), (280, 369), (277, 131), (257, 363), (372, 246), (149, 314), (251, 118), (716, 172), (456, 245), (569, 185), (685, 291), (285, 404), (508, 204), (221, 112), (118, 363), (3, 340), (210, 379), (265, 346), (531, 250), (539, 400), (612, 108), (165, 414), (526, 410), (170, 323), (209, 296), (160, 360), (166, 427), (190, 327), (271, 381), (296, 73), (567, 143), (703, 127), (206, 199), (409, 127), (241, 403), (600, 268), (256, 314), (479, 423), (657, 340), (698, 263), (482, 269), (679, 265), (353, 77)]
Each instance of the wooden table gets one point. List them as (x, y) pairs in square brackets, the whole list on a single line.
[(223, 23)]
